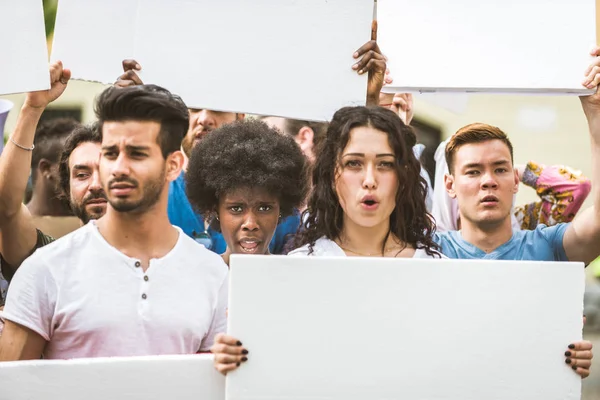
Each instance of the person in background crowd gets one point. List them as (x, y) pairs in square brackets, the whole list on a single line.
[(19, 237), (48, 143), (129, 284), (246, 176), (561, 189), (402, 105), (307, 134)]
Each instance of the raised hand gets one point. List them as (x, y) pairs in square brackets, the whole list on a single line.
[(371, 61), (129, 76), (59, 78)]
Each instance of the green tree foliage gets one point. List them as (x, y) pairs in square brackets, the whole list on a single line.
[(50, 7)]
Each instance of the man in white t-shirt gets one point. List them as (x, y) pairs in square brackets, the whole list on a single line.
[(130, 283)]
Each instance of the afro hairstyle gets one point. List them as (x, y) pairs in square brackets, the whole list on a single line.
[(246, 154)]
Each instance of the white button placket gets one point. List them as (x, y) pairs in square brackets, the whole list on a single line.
[(143, 293)]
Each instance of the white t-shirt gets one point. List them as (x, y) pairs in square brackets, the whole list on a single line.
[(325, 247), (87, 299)]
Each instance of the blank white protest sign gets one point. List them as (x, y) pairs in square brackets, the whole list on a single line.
[(510, 46), (285, 58), (24, 54), (366, 328), (119, 378)]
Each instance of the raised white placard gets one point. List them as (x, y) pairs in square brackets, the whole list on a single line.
[(284, 58), (510, 46), (383, 328), (24, 54), (128, 378)]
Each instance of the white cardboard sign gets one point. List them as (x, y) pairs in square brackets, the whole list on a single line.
[(512, 46), (283, 58), (365, 328), (128, 378), (24, 54)]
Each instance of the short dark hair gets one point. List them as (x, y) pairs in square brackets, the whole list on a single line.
[(146, 103), (474, 133), (49, 140), (82, 134), (246, 154)]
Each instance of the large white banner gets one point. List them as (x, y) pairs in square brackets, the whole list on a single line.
[(127, 378), (285, 58), (509, 46), (365, 328), (23, 50)]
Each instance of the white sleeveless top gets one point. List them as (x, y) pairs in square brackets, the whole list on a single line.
[(324, 247)]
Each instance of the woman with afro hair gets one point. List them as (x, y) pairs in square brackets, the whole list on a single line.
[(246, 177)]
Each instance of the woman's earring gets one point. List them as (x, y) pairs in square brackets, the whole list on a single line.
[(217, 217)]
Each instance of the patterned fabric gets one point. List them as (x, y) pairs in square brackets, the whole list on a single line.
[(7, 270), (562, 191)]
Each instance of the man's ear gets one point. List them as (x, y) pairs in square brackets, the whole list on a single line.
[(44, 168), (305, 137), (175, 162), (239, 116), (517, 181), (449, 185)]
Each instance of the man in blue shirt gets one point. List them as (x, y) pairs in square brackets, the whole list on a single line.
[(483, 180)]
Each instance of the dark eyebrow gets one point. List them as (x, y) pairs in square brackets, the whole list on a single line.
[(362, 155), (137, 148), (128, 147), (502, 162), (111, 147), (472, 165), (81, 167), (479, 165)]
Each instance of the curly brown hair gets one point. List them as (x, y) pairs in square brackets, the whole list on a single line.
[(409, 221)]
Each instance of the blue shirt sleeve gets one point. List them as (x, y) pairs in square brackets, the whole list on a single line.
[(180, 211), (286, 229), (554, 235)]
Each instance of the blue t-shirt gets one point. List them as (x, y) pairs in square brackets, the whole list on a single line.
[(182, 214), (542, 244)]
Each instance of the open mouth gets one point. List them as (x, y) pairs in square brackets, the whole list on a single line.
[(369, 203), (249, 245), (489, 200)]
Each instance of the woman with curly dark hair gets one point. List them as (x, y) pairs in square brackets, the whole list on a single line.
[(246, 177), (368, 198)]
